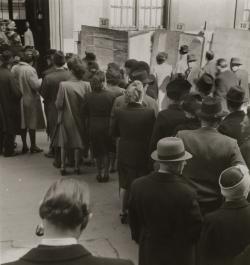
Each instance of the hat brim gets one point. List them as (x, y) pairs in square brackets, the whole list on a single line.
[(216, 115), (186, 156), (237, 101)]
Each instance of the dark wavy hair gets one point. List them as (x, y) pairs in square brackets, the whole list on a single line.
[(65, 204), (97, 81), (77, 67)]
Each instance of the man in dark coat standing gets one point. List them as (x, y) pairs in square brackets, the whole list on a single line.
[(168, 119), (226, 232), (223, 81), (49, 89), (212, 153), (232, 124), (165, 218), (10, 97)]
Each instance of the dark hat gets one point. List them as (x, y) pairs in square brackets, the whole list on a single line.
[(191, 58), (90, 56), (221, 62), (59, 58), (183, 49), (170, 149), (141, 65), (141, 75), (178, 88), (130, 63), (235, 61), (210, 55), (235, 182), (192, 103), (205, 83), (236, 94), (6, 56), (93, 66), (162, 56), (211, 108)]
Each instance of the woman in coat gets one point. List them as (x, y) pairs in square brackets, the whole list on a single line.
[(70, 130), (97, 107), (133, 124)]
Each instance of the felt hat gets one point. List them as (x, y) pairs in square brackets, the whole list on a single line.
[(205, 83), (235, 182), (170, 149), (235, 61), (90, 56), (141, 75), (191, 58), (178, 88), (236, 94), (211, 108), (192, 103), (184, 49)]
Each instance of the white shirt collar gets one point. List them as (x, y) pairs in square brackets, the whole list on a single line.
[(59, 241)]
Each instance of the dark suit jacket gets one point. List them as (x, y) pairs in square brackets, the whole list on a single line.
[(212, 153), (226, 233), (133, 124), (166, 123), (231, 125), (49, 90), (242, 76), (64, 255), (165, 219), (223, 82), (10, 96)]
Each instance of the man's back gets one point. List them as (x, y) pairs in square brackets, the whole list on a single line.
[(212, 153)]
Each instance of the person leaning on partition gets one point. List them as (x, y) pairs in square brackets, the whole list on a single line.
[(226, 232), (212, 153), (65, 214), (165, 218)]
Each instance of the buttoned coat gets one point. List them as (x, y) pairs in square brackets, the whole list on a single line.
[(10, 97), (65, 255), (231, 125), (31, 106), (165, 219), (49, 90), (166, 123), (225, 233), (212, 153)]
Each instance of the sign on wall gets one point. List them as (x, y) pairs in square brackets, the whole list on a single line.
[(180, 27), (244, 25), (103, 22)]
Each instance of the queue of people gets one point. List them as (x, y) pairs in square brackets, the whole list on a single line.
[(179, 140)]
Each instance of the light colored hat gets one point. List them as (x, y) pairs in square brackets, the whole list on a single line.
[(235, 182), (170, 149)]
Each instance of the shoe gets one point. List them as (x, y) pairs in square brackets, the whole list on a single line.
[(77, 171), (49, 155), (99, 178), (35, 149), (105, 178), (124, 218), (63, 172), (25, 150)]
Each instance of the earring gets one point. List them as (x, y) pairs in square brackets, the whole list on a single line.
[(40, 230)]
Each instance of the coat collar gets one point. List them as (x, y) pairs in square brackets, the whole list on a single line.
[(235, 204), (174, 106), (45, 254), (238, 113), (166, 177)]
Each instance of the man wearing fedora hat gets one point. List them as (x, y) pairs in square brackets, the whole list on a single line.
[(205, 85), (242, 75), (165, 218), (226, 232), (212, 153), (231, 125), (168, 119)]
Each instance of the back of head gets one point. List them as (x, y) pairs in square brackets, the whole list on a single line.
[(65, 204), (113, 76), (6, 58), (130, 63), (97, 81), (161, 57), (205, 84), (235, 97), (178, 89), (209, 55), (192, 103), (77, 67), (59, 59), (221, 63), (134, 92), (141, 65)]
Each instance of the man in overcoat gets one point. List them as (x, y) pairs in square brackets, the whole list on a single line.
[(165, 218), (232, 124), (168, 119), (226, 232), (212, 153), (49, 89), (31, 106), (10, 97)]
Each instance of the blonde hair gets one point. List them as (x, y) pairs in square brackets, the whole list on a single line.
[(134, 92)]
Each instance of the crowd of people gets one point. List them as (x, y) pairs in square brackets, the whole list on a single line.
[(178, 135)]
